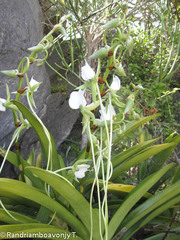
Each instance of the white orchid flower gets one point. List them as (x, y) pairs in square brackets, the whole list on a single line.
[(76, 99), (116, 83), (34, 84), (2, 108), (108, 114), (87, 72), (82, 169)]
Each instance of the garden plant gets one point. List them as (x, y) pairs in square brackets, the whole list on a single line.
[(113, 190)]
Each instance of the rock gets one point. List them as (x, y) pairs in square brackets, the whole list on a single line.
[(59, 120), (20, 29)]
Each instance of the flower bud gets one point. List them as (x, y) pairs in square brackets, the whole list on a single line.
[(129, 104), (63, 31), (57, 27), (94, 139), (37, 48), (111, 24), (136, 115), (129, 45), (120, 70), (101, 53), (10, 73)]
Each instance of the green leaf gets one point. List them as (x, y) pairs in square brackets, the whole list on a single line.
[(168, 175), (177, 174), (148, 218), (43, 215), (151, 204), (132, 126), (121, 157), (133, 197), (138, 158), (158, 160), (121, 190), (13, 188), (36, 230), (4, 217), (77, 202), (41, 135)]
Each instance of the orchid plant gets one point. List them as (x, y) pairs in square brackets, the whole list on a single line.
[(67, 193)]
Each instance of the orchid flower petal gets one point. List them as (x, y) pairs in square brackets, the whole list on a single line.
[(108, 114), (76, 99), (116, 83), (2, 108), (87, 72), (33, 82), (82, 169)]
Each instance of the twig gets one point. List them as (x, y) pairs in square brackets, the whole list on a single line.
[(170, 225), (99, 10), (160, 231)]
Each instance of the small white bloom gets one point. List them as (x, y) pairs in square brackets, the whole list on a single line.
[(87, 72), (139, 86), (76, 99), (33, 82), (2, 108), (107, 114), (82, 169), (116, 83)]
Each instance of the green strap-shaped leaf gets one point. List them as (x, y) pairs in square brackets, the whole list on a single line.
[(4, 217), (121, 190), (158, 160), (148, 218), (132, 126), (36, 230), (151, 204), (138, 158), (177, 174), (72, 196), (10, 188), (121, 157), (41, 135), (133, 197)]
